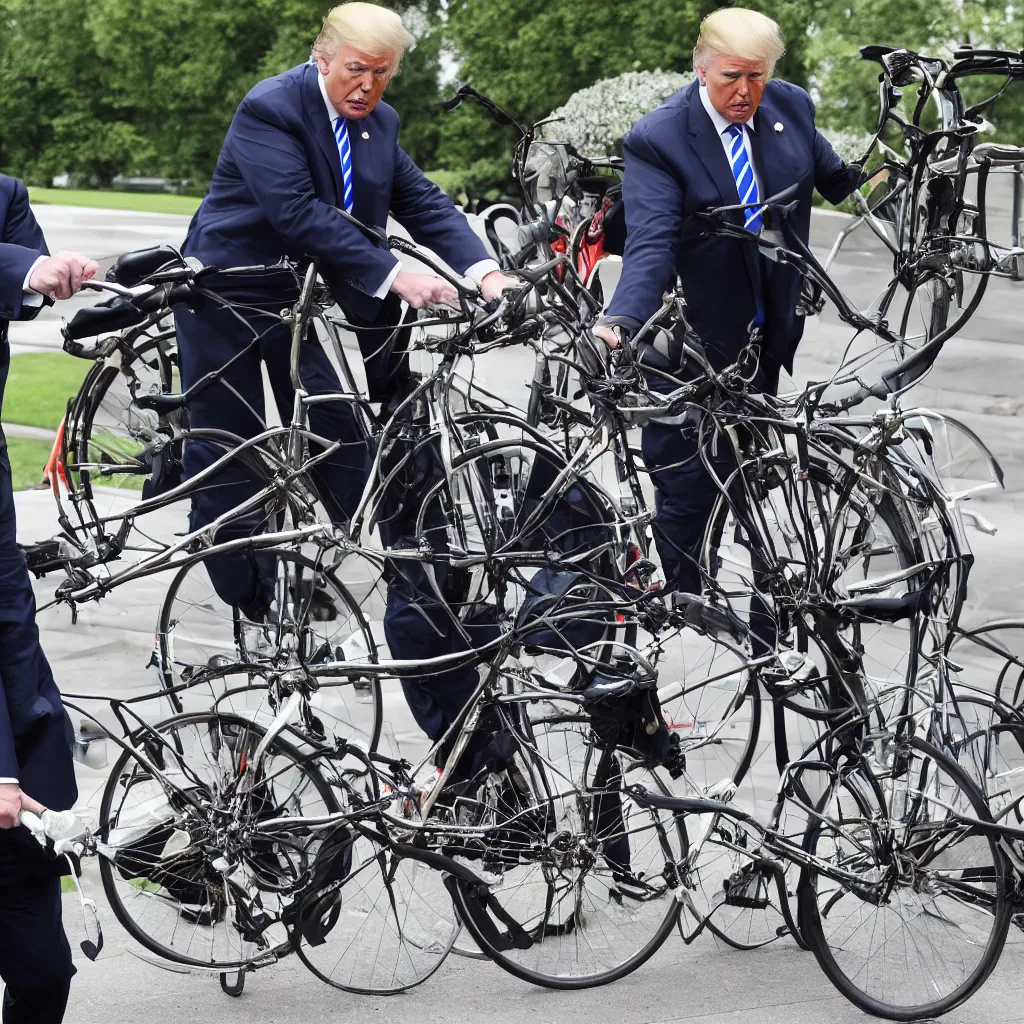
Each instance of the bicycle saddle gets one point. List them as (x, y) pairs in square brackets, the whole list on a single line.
[(133, 268)]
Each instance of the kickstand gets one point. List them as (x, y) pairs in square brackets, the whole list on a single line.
[(237, 987)]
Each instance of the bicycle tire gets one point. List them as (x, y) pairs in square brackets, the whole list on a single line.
[(994, 906), (931, 297), (95, 393), (211, 638), (142, 856), (547, 924)]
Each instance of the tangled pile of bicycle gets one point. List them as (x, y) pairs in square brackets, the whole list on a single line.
[(631, 732)]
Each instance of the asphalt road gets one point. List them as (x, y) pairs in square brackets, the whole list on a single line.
[(107, 651)]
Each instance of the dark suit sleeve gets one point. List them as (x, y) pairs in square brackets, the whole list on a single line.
[(8, 757), (431, 217), (833, 178), (275, 167), (15, 261), (21, 244), (653, 199)]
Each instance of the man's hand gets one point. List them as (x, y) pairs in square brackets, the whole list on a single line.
[(60, 276), (10, 805), (420, 290), (609, 335), (495, 283), (13, 802)]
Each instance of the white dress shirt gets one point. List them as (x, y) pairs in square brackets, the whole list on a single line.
[(476, 273), (31, 299), (721, 123)]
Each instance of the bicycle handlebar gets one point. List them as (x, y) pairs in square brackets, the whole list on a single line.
[(128, 308), (59, 831), (966, 52), (467, 92), (32, 822), (63, 835)]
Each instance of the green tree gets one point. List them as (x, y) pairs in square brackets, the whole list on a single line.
[(181, 69), (102, 87), (59, 106)]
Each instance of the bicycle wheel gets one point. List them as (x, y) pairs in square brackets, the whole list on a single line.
[(986, 736), (586, 894), (112, 438), (926, 311), (387, 927), (943, 272), (991, 657), (711, 700), (905, 906), (830, 542), (184, 883), (747, 897), (313, 617)]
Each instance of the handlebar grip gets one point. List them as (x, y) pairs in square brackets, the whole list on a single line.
[(32, 822), (57, 829), (899, 65), (965, 52), (861, 395)]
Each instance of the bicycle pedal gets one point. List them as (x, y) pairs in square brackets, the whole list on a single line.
[(747, 888)]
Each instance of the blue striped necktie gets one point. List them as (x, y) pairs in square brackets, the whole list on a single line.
[(345, 152), (743, 172)]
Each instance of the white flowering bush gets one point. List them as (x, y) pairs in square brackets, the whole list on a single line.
[(850, 145), (597, 118)]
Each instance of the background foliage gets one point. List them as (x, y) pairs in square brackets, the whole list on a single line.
[(98, 88)]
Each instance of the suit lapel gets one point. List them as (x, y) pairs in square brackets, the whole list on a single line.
[(763, 144), (316, 114), (705, 142)]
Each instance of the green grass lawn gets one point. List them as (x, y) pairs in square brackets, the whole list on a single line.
[(144, 202), (28, 457), (38, 388)]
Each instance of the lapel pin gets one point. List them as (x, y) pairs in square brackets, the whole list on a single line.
[(778, 127), (366, 135)]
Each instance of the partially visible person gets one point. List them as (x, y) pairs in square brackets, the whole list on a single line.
[(36, 767), (736, 135), (302, 146)]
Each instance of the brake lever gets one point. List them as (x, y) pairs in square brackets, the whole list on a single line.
[(63, 835)]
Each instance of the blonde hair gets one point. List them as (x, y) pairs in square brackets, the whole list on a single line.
[(739, 32), (368, 27)]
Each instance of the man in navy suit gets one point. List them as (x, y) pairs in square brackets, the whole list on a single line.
[(36, 769), (735, 135), (303, 145)]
